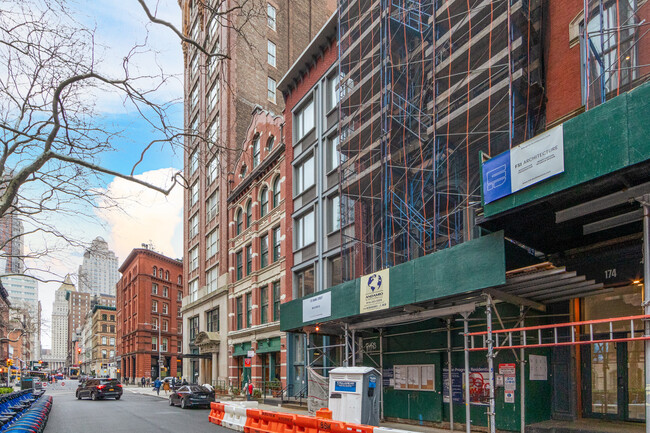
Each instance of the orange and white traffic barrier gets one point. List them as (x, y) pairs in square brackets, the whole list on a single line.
[(217, 411)]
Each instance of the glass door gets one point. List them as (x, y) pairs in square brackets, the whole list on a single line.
[(605, 380)]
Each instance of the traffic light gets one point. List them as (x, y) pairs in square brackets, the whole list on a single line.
[(10, 362), (40, 362), (78, 349)]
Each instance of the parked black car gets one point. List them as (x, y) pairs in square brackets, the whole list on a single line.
[(98, 389), (191, 395)]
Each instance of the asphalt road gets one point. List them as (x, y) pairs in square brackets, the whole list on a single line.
[(135, 412)]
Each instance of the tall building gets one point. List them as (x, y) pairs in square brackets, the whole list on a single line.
[(102, 341), (149, 324), (79, 305), (98, 273), (219, 98), (23, 294), (60, 324), (12, 244)]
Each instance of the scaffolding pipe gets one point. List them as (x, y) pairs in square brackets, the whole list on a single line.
[(354, 348), (347, 352), (522, 375), (449, 390), (468, 419), (646, 298), (381, 367), (490, 359)]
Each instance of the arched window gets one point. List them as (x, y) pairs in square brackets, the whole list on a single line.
[(269, 143), (239, 222), (276, 191), (264, 199), (155, 269), (249, 214), (180, 280), (256, 151), (167, 275), (160, 273)]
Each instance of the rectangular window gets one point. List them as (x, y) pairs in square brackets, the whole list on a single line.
[(304, 175), (335, 271), (211, 206), (256, 151), (194, 161), (212, 29), (249, 259), (194, 225), (271, 53), (164, 344), (104, 340), (332, 92), (194, 290), (249, 310), (154, 289), (271, 14), (213, 96), (112, 341), (104, 353), (239, 312), (179, 297), (212, 170), (165, 309), (334, 214), (194, 259), (211, 280), (212, 320), (194, 193), (165, 325), (264, 304), (154, 343), (240, 265), (304, 120), (194, 66), (305, 282), (165, 292), (271, 87), (213, 132), (334, 157), (194, 327), (276, 301), (277, 239), (154, 306), (211, 244), (264, 251), (194, 99), (305, 230)]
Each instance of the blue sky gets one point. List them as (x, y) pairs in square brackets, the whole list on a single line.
[(146, 216)]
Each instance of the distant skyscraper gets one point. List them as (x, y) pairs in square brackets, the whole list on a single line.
[(23, 294), (98, 272), (60, 323), (11, 244)]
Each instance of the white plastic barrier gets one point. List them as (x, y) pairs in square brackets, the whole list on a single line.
[(390, 430), (234, 417)]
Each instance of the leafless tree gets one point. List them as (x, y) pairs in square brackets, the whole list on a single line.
[(52, 136)]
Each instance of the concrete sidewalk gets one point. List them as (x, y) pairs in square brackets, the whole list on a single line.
[(410, 427)]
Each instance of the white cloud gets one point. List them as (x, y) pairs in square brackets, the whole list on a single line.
[(145, 215)]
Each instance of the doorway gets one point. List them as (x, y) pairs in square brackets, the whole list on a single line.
[(613, 378)]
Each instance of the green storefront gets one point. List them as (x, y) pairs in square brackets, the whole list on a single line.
[(413, 332)]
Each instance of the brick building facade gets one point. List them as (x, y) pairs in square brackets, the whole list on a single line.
[(219, 96), (79, 305), (257, 248), (148, 307)]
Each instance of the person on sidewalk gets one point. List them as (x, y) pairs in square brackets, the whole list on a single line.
[(166, 387), (156, 386), (143, 381)]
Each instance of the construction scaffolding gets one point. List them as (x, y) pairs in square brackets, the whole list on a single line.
[(426, 86)]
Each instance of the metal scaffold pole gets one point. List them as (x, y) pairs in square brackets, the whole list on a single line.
[(449, 387), (347, 353), (490, 358), (522, 375), (645, 201), (468, 419)]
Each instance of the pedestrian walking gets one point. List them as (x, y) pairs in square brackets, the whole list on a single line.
[(156, 386), (184, 382), (250, 391), (143, 381), (166, 387)]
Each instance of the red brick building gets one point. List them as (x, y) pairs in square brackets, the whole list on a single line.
[(148, 308), (257, 253)]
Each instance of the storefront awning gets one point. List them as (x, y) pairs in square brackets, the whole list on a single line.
[(241, 349), (268, 345)]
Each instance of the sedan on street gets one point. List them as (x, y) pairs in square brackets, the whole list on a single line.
[(191, 395), (98, 389)]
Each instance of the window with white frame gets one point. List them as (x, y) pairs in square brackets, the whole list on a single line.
[(332, 92), (304, 176), (164, 344), (211, 279), (271, 14), (194, 161), (334, 214), (305, 230), (104, 353), (213, 132), (194, 65), (211, 206), (193, 288), (211, 243), (112, 341), (194, 97), (165, 325), (304, 119), (194, 259), (271, 53), (194, 126), (194, 193), (334, 157), (154, 288), (214, 61), (213, 96), (165, 291), (212, 170), (271, 86), (194, 225), (154, 323), (194, 33), (212, 28), (154, 343), (154, 306), (104, 340), (165, 307)]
